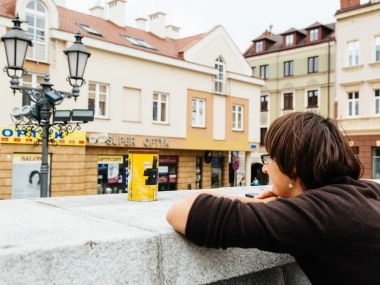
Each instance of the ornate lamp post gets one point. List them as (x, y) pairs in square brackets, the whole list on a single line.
[(37, 118)]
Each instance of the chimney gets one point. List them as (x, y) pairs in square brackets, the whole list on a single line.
[(172, 32), (267, 33), (61, 3), (116, 12), (97, 10), (141, 24), (157, 24), (348, 3)]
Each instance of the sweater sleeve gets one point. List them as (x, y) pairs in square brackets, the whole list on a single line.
[(277, 226)]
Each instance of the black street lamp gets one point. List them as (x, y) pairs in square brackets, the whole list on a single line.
[(37, 118)]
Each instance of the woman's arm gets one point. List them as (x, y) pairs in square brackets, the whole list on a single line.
[(179, 212)]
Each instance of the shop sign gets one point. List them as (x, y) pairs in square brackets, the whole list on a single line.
[(128, 141), (105, 159), (12, 136)]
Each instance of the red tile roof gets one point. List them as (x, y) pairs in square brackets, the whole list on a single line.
[(69, 20)]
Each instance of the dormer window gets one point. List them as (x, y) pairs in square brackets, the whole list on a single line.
[(90, 30), (259, 46), (138, 42), (313, 35), (289, 40)]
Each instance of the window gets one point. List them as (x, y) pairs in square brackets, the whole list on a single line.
[(312, 64), (98, 99), (31, 80), (237, 117), (264, 71), (289, 40), (198, 113), (313, 35), (377, 102), (288, 101), (353, 104), (353, 53), (259, 46), (377, 49), (264, 103), (263, 131), (160, 107), (254, 70), (288, 68), (219, 78), (312, 99), (36, 18), (138, 42), (376, 163), (90, 30)]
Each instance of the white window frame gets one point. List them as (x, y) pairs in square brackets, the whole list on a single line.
[(198, 113), (377, 49), (353, 53), (219, 79), (259, 46), (352, 103), (39, 45), (376, 96), (160, 102), (289, 40), (314, 35), (97, 98), (237, 117)]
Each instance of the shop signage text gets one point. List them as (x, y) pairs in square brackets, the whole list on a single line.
[(131, 141)]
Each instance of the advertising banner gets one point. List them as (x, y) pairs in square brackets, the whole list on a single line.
[(143, 175), (12, 135), (26, 175)]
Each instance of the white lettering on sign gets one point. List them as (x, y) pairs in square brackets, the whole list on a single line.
[(156, 142), (130, 141)]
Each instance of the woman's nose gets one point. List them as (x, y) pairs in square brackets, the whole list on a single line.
[(264, 169)]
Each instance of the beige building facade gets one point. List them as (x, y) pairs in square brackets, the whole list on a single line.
[(298, 67), (192, 99), (358, 80)]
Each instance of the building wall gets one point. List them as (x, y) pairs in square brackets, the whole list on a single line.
[(360, 24)]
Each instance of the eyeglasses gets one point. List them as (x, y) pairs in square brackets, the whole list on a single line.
[(265, 158)]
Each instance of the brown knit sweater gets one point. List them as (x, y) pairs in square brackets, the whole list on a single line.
[(333, 232)]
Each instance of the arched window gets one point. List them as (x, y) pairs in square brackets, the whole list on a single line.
[(219, 78), (36, 18)]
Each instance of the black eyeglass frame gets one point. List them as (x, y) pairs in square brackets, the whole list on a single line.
[(263, 156)]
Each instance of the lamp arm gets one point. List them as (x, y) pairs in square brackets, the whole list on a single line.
[(34, 94)]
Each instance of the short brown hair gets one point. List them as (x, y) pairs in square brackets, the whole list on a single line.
[(311, 147)]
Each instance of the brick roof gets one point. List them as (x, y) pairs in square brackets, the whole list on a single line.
[(277, 39), (7, 8)]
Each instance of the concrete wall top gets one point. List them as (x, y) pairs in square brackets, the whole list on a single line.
[(107, 239)]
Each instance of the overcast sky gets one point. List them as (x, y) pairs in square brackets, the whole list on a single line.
[(244, 20)]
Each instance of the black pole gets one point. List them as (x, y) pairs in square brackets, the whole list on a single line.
[(45, 161), (45, 114)]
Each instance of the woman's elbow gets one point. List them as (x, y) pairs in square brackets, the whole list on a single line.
[(177, 217)]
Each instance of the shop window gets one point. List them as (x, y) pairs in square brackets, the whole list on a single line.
[(198, 173), (110, 175), (216, 171), (167, 173)]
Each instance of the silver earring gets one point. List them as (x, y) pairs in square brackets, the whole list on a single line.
[(290, 185)]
